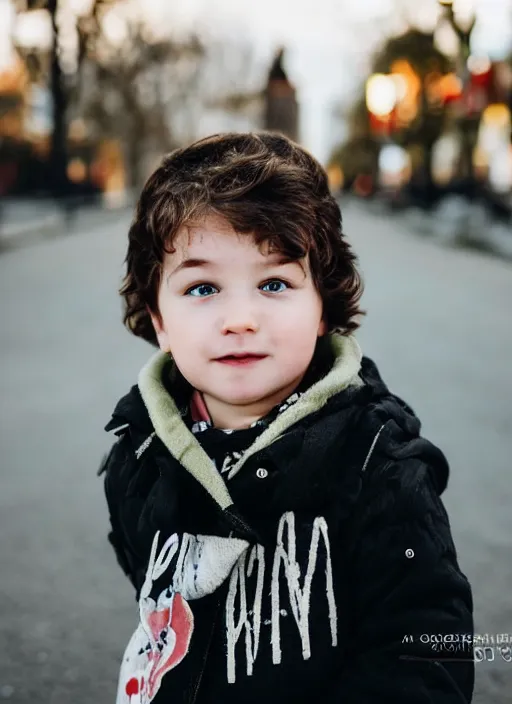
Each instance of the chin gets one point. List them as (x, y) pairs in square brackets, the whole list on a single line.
[(241, 397)]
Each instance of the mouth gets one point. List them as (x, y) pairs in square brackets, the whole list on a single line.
[(238, 359)]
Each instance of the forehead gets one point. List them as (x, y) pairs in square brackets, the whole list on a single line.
[(215, 236)]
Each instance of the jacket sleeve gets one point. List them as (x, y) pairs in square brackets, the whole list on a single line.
[(412, 632), (116, 466)]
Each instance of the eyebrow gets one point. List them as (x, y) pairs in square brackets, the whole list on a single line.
[(195, 263)]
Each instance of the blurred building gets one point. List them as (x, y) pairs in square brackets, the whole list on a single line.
[(26, 122), (281, 111), (273, 107), (15, 153)]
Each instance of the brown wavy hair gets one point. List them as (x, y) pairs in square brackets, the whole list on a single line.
[(266, 186)]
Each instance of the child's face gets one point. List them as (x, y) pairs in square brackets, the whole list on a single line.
[(242, 301)]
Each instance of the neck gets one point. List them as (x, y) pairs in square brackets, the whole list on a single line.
[(235, 417)]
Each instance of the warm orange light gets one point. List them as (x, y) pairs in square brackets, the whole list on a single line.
[(408, 93), (403, 68), (14, 78), (480, 158), (77, 171), (401, 85), (449, 87), (497, 114), (11, 125), (434, 94), (406, 113), (335, 177), (77, 129), (107, 171)]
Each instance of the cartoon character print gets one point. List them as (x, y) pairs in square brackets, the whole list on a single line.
[(166, 624)]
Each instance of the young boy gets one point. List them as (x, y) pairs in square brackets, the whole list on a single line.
[(272, 502)]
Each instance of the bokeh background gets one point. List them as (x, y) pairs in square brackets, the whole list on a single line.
[(407, 105)]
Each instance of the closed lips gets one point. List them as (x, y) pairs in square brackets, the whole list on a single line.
[(242, 356)]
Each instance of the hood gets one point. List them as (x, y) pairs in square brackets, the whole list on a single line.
[(402, 432)]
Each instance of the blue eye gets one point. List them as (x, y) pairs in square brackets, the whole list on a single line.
[(276, 281), (194, 288), (203, 286)]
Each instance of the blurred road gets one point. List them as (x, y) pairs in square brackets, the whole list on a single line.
[(438, 326), (25, 221)]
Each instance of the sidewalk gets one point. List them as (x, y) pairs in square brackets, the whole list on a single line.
[(23, 222), (455, 223)]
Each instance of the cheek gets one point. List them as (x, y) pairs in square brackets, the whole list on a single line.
[(305, 313), (170, 312)]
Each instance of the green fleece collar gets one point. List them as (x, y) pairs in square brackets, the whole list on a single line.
[(183, 445)]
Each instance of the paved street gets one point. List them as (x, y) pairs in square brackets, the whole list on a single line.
[(438, 325)]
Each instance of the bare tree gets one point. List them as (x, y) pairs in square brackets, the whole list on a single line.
[(60, 86), (127, 91), (156, 95), (148, 92)]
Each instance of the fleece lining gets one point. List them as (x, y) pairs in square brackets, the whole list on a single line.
[(181, 442)]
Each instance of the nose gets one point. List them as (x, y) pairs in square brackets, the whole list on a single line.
[(239, 317)]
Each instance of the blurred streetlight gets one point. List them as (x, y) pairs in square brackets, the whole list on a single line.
[(80, 7), (394, 166), (500, 171), (446, 40), (479, 65), (381, 94), (445, 154), (401, 86), (115, 27), (33, 30), (494, 143), (408, 88), (336, 178), (497, 115)]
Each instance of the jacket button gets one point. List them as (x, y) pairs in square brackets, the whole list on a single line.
[(261, 473)]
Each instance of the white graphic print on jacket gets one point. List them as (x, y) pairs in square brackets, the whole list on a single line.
[(204, 562), (284, 565), (163, 635)]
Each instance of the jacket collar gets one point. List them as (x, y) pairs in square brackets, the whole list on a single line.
[(169, 426)]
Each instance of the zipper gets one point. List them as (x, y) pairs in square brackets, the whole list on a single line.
[(206, 654)]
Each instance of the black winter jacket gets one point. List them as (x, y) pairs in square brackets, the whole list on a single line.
[(321, 568)]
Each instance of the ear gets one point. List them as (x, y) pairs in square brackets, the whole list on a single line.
[(161, 334), (322, 328)]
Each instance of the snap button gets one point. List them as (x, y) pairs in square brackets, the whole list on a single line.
[(261, 473), (409, 553)]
